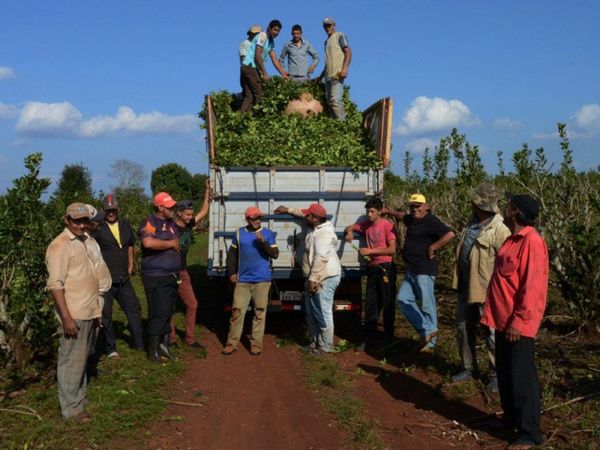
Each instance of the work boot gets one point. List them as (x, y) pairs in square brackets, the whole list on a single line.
[(163, 348), (153, 354)]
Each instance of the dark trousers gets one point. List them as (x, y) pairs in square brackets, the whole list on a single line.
[(130, 305), (519, 386), (251, 87), (381, 294), (161, 294)]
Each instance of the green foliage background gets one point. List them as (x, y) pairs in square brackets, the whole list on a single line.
[(267, 137)]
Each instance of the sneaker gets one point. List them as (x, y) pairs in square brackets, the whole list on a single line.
[(465, 375), (112, 355), (425, 340), (492, 385), (197, 346), (228, 350), (81, 417)]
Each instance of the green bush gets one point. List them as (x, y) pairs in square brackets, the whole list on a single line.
[(267, 137)]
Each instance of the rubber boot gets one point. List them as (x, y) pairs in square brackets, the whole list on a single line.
[(153, 354), (163, 348)]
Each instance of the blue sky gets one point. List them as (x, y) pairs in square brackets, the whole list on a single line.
[(93, 82)]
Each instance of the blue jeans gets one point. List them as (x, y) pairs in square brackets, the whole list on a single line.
[(319, 314), (334, 91), (416, 300)]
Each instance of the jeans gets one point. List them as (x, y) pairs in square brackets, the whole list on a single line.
[(187, 296), (71, 374), (130, 305), (380, 297), (243, 293), (519, 386), (416, 300), (161, 294), (319, 314), (334, 91), (468, 316)]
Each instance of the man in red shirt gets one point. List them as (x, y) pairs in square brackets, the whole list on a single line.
[(515, 304), (381, 274)]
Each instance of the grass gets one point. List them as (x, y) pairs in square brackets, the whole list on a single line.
[(127, 393), (335, 391)]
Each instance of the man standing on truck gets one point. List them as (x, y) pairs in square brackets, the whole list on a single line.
[(337, 61), (248, 268), (322, 269), (296, 52), (161, 262), (515, 304), (253, 65), (475, 254), (425, 235), (381, 272), (185, 222)]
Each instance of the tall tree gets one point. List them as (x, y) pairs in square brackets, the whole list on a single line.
[(127, 174), (74, 185), (174, 179)]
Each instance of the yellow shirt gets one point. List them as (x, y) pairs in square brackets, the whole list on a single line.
[(114, 228)]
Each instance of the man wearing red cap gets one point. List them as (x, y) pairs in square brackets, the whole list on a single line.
[(248, 268), (161, 263), (321, 266)]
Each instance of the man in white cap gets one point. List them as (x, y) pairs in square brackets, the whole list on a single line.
[(77, 278), (338, 56)]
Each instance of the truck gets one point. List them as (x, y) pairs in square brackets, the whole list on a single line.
[(340, 190)]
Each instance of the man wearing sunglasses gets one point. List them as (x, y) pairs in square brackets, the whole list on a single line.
[(248, 268), (337, 61), (77, 278)]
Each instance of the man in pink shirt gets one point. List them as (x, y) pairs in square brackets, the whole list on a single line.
[(515, 304), (381, 274)]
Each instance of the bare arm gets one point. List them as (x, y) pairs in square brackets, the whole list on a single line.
[(441, 242), (204, 210), (389, 250), (159, 244), (259, 62), (277, 64), (347, 60), (396, 214)]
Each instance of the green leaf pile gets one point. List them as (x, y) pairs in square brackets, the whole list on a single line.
[(265, 136)]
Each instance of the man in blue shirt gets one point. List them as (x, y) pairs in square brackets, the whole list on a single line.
[(296, 52), (248, 268), (253, 65)]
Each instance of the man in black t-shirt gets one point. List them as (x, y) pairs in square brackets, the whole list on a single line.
[(425, 235), (116, 239), (185, 220)]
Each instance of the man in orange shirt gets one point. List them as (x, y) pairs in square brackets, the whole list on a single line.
[(515, 304)]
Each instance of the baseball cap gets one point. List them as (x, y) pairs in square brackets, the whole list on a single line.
[(184, 204), (95, 214), (253, 212), (315, 209), (109, 202), (78, 211), (417, 198), (164, 199), (328, 21), (526, 204), (255, 29)]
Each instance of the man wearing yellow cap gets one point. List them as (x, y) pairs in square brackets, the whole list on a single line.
[(425, 235)]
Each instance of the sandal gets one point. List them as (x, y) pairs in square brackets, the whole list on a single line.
[(255, 350), (228, 350)]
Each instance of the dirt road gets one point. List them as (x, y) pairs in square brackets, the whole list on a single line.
[(263, 402)]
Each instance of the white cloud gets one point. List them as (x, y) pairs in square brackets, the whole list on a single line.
[(6, 73), (505, 123), (8, 111), (65, 120), (587, 119), (39, 119), (434, 114), (419, 145)]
